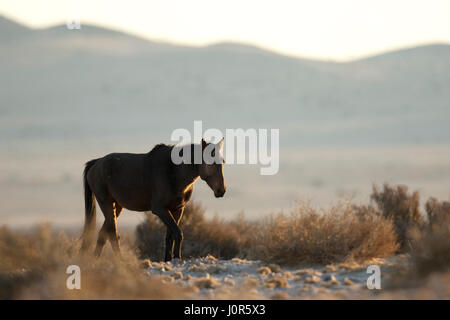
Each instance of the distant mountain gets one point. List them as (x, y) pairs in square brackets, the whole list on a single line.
[(11, 31), (58, 76)]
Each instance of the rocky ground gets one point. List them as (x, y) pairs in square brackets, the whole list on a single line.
[(212, 278)]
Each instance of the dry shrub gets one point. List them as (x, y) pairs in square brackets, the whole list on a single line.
[(222, 239), (429, 257), (33, 266), (431, 246), (438, 213), (396, 204), (309, 236), (304, 236), (431, 251)]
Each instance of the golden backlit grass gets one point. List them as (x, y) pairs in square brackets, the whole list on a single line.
[(33, 266), (304, 236), (400, 206), (310, 236), (430, 251)]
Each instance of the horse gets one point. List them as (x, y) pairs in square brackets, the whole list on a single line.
[(147, 182)]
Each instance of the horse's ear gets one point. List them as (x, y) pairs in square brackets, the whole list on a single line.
[(204, 144), (220, 144)]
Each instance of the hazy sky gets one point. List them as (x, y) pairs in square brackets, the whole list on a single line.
[(325, 29)]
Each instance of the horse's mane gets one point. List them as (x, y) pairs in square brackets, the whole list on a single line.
[(162, 147)]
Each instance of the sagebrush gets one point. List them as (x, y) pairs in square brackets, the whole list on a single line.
[(304, 236)]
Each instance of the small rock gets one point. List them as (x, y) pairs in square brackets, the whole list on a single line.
[(167, 267), (276, 282), (241, 261), (351, 266), (312, 279), (161, 267), (348, 282), (210, 257), (311, 272), (330, 280), (177, 275), (206, 282), (302, 271), (146, 264), (229, 281), (274, 267), (264, 270), (331, 268), (197, 268)]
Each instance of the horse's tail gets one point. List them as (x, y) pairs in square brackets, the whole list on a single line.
[(89, 209)]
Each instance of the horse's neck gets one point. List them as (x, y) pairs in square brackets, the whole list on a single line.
[(187, 175)]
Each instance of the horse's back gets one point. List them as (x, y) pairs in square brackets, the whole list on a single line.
[(129, 178), (122, 176)]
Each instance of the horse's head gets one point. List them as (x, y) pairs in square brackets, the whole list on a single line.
[(211, 169)]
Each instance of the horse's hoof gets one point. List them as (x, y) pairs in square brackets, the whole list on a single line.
[(176, 261)]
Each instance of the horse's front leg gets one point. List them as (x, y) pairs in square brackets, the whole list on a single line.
[(177, 215), (169, 246), (175, 232)]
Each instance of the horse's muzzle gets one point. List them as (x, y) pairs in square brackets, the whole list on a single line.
[(219, 193)]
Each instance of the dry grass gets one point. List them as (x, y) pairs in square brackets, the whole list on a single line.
[(403, 208), (431, 251), (308, 236), (438, 213), (431, 246), (429, 254), (33, 266), (426, 241), (304, 236)]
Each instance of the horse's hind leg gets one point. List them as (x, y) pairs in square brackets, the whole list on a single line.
[(117, 210), (109, 228), (102, 235), (177, 215)]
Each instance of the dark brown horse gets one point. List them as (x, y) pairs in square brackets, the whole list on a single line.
[(146, 182)]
